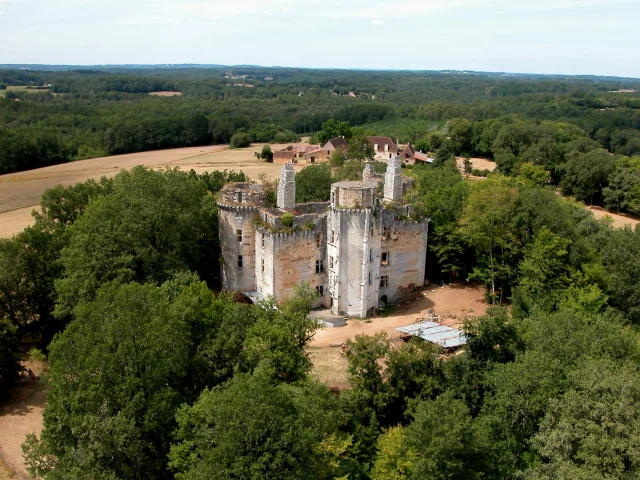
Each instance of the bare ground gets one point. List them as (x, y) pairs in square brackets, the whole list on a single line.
[(20, 414), (619, 220), (453, 303), (479, 163), (20, 192)]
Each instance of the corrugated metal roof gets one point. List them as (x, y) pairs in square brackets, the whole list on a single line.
[(435, 333)]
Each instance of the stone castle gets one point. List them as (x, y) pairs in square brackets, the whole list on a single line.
[(359, 251)]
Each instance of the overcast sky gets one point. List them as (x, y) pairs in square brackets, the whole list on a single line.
[(543, 36)]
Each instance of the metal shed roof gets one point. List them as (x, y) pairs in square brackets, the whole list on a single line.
[(435, 333)]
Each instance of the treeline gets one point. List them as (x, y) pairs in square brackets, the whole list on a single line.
[(101, 113)]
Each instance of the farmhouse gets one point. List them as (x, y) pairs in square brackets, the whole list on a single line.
[(324, 153), (383, 147), (292, 153), (284, 156), (410, 156), (358, 251)]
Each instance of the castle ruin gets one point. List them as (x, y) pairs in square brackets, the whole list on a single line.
[(359, 251)]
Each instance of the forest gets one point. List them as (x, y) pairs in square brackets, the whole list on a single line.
[(564, 124), (152, 374)]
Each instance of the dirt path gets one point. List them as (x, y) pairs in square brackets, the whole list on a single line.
[(20, 414), (619, 220), (453, 303), (20, 192)]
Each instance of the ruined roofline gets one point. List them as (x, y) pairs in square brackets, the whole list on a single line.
[(238, 207), (294, 232)]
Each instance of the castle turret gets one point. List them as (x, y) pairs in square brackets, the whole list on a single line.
[(393, 180), (287, 187)]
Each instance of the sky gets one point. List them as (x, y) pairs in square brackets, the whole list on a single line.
[(595, 37)]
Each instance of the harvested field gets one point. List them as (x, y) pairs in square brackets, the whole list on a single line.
[(14, 221), (20, 414), (453, 303), (20, 192), (22, 88), (166, 94), (479, 163)]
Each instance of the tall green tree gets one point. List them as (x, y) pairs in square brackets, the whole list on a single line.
[(253, 428), (486, 226), (116, 376), (313, 183), (152, 225)]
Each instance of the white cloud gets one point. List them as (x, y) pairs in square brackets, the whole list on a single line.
[(376, 23), (413, 8), (205, 10)]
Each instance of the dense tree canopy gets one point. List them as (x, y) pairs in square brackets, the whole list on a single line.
[(152, 375)]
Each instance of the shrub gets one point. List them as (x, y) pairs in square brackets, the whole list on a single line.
[(240, 140), (36, 355), (287, 219)]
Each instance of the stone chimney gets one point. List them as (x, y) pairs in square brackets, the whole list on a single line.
[(368, 173), (287, 187), (393, 180)]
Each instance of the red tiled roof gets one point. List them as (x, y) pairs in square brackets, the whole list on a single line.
[(381, 142), (314, 151), (336, 142), (305, 148), (410, 150)]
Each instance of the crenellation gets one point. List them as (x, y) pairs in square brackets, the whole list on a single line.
[(357, 252)]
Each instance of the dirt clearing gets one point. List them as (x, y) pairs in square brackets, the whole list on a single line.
[(479, 163), (20, 192), (619, 220), (452, 303), (166, 94), (20, 414)]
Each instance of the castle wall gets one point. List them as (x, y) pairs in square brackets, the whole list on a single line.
[(231, 219), (406, 248), (243, 193), (354, 194), (290, 260)]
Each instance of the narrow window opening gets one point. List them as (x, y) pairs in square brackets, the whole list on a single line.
[(239, 261), (239, 236), (319, 266), (385, 258), (320, 290), (384, 281)]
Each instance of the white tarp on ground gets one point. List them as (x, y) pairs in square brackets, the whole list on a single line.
[(435, 333)]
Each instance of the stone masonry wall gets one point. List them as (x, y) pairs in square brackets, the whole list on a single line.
[(232, 220)]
